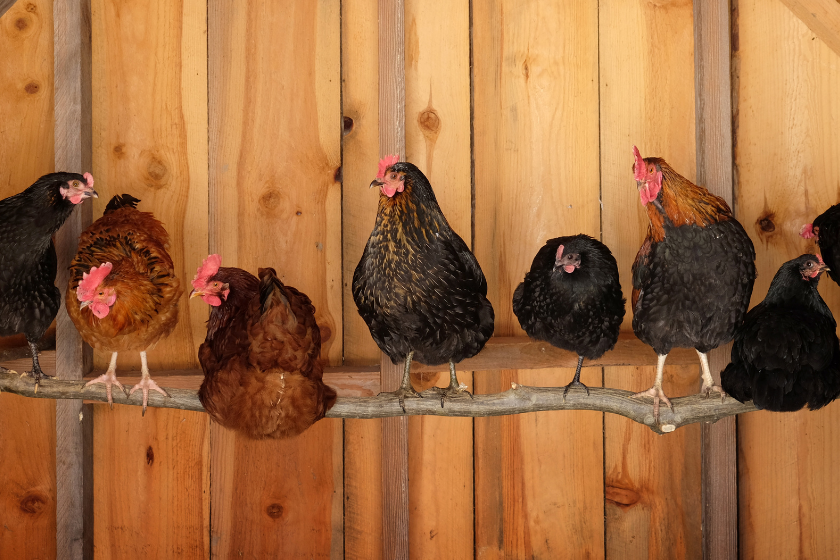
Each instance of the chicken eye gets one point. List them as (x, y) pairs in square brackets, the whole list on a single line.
[(810, 264), (393, 176)]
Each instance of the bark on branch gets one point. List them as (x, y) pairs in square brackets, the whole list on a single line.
[(518, 399)]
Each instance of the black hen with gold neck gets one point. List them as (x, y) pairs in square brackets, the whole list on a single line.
[(418, 286)]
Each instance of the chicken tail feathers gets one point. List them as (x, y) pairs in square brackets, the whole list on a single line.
[(121, 201), (273, 292)]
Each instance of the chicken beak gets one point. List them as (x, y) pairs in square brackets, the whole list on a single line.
[(195, 293), (85, 304), (375, 183)]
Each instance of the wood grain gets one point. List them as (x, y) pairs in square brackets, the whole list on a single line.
[(713, 114), (152, 483), (27, 427), (788, 173), (647, 99), (535, 111), (275, 196), (5, 5), (437, 140), (72, 153), (822, 17)]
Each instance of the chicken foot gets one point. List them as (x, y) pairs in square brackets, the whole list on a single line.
[(656, 391), (708, 383), (406, 390), (455, 388), (576, 381), (109, 378), (146, 383), (37, 373)]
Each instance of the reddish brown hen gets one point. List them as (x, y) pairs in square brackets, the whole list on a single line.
[(262, 375), (123, 293)]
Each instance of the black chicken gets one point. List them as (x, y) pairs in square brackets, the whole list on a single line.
[(572, 299), (418, 286), (694, 273), (786, 354), (826, 233), (29, 300)]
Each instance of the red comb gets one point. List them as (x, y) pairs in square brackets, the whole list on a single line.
[(208, 268), (820, 258), (807, 231), (559, 252), (88, 179), (639, 171), (385, 163), (91, 280)]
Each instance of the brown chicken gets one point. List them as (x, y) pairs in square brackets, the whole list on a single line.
[(123, 293), (262, 375), (694, 273)]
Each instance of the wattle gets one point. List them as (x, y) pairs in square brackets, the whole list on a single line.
[(211, 299), (100, 309), (569, 268)]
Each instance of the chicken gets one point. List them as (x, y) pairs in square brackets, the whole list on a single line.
[(123, 293), (572, 299), (826, 233), (693, 275), (418, 286), (786, 353), (262, 374), (29, 300)]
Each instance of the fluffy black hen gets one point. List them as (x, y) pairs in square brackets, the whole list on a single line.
[(694, 273), (572, 299), (418, 286), (786, 354), (826, 233), (29, 300)]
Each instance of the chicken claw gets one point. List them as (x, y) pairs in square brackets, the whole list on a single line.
[(707, 390), (404, 392), (109, 378), (147, 384), (574, 383), (7, 370), (657, 394), (452, 391)]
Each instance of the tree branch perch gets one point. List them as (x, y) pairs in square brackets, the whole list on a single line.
[(519, 399)]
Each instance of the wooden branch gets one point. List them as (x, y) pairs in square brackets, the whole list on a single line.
[(517, 400), (821, 16)]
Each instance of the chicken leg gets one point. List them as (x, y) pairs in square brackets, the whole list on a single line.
[(37, 373), (406, 390), (656, 390), (146, 383), (708, 383), (455, 388), (109, 378), (576, 381)]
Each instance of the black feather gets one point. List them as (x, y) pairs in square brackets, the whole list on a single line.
[(786, 354), (121, 201), (827, 228)]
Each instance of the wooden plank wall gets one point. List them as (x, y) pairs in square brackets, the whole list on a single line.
[(252, 131), (787, 146), (27, 433)]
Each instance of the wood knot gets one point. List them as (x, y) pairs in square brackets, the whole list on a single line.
[(624, 498), (274, 511), (31, 8), (326, 333), (119, 150), (271, 200), (337, 177), (150, 456), (347, 126), (21, 23), (33, 502), (526, 70), (766, 224), (32, 88), (156, 171), (429, 121)]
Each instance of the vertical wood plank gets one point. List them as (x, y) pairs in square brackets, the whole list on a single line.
[(152, 491), (713, 114), (535, 107), (647, 99), (395, 514), (72, 61), (788, 172), (275, 130), (150, 139), (437, 130), (360, 98), (27, 426)]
